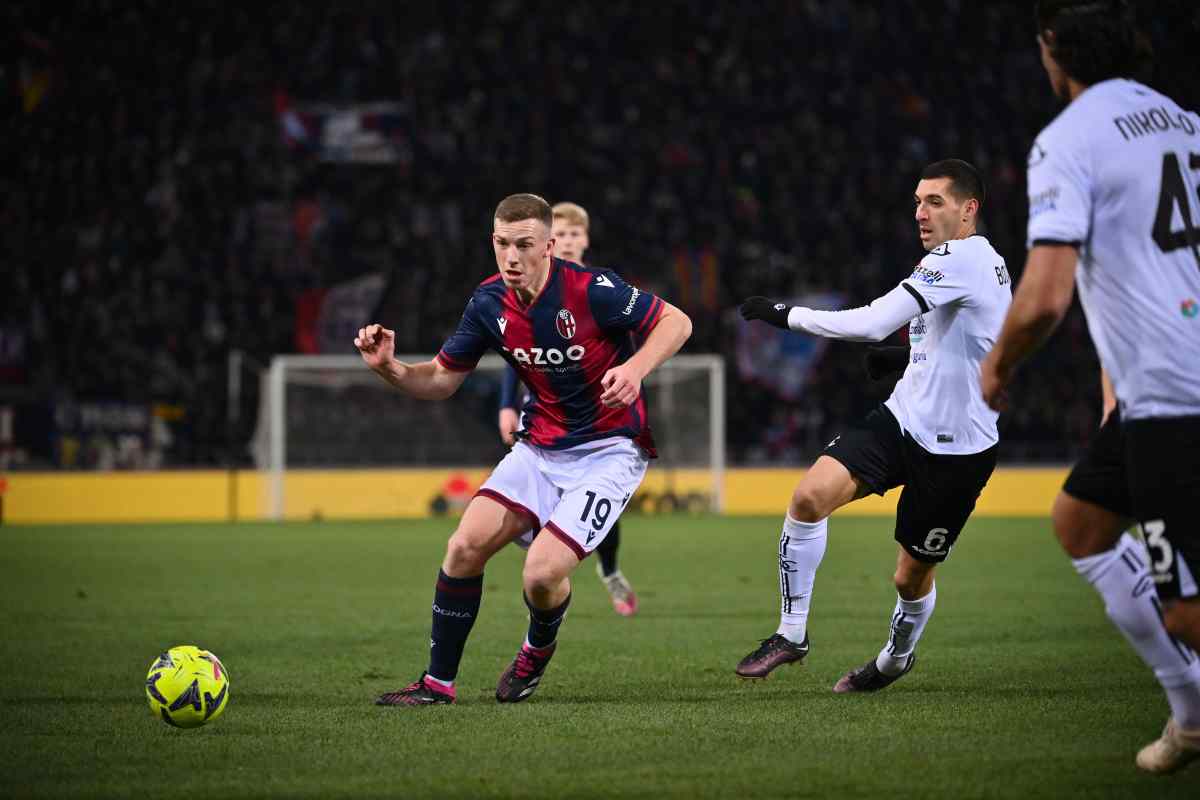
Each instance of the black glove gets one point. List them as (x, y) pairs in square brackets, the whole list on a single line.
[(767, 310), (883, 361)]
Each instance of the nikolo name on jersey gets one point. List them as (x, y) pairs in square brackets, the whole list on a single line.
[(1149, 121)]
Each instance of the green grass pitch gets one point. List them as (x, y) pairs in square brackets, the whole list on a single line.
[(1023, 688)]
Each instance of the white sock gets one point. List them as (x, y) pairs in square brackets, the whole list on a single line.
[(801, 548), (908, 623), (439, 681), (1122, 577)]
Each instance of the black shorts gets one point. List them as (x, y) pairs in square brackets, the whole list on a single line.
[(939, 490), (1149, 470)]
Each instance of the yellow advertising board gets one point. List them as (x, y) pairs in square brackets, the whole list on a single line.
[(213, 495)]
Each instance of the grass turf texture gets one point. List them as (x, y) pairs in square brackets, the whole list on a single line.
[(1023, 688)]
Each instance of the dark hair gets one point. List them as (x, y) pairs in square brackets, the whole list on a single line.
[(965, 180), (1094, 40), (517, 207)]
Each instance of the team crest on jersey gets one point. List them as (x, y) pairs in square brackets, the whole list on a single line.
[(565, 322)]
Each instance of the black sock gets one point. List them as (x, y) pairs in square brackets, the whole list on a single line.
[(455, 606), (608, 550), (543, 623)]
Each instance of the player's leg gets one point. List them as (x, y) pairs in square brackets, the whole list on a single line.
[(825, 487), (595, 486), (547, 588), (485, 527), (1163, 465), (854, 464), (939, 495), (1117, 565), (620, 591), (508, 505)]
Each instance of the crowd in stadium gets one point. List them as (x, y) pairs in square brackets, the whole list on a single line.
[(154, 223)]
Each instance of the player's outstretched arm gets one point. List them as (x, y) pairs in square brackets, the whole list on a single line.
[(428, 380), (623, 383), (1039, 304), (870, 323)]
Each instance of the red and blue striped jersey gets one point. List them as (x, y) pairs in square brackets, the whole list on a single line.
[(583, 323)]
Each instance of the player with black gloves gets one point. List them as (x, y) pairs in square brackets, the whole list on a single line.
[(934, 435), (880, 361)]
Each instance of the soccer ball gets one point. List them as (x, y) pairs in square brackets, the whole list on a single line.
[(187, 687)]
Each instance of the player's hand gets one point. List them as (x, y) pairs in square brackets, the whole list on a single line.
[(767, 310), (883, 360), (508, 426), (622, 385), (376, 344), (992, 384)]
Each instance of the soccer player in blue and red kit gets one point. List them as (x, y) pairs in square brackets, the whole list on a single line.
[(570, 232), (565, 328)]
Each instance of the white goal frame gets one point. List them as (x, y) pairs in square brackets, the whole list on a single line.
[(276, 465)]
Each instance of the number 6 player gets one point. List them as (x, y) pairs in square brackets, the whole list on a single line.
[(934, 435), (565, 328)]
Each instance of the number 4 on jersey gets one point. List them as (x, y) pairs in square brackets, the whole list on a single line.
[(1173, 193)]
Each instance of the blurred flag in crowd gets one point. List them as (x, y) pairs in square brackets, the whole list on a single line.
[(368, 133), (782, 361), (328, 319)]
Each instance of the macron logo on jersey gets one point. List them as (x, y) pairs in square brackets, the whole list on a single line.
[(602, 280), (503, 323)]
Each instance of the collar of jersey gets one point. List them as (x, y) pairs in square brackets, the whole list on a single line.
[(549, 278)]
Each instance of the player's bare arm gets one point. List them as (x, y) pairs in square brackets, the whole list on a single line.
[(1039, 304), (623, 383), (428, 380)]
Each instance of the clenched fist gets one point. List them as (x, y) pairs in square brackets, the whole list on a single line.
[(376, 344)]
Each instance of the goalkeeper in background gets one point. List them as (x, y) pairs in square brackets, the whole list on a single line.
[(570, 232)]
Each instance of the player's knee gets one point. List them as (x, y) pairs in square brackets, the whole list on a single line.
[(1079, 534), (807, 505), (465, 556), (540, 578), (1067, 528)]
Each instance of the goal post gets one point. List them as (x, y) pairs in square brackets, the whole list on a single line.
[(330, 412)]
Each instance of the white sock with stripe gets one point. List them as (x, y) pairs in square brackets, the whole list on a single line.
[(908, 623), (1122, 577), (801, 548)]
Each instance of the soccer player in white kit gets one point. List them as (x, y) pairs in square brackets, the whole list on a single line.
[(934, 435), (1114, 209)]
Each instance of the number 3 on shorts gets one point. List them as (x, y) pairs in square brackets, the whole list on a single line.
[(1156, 543)]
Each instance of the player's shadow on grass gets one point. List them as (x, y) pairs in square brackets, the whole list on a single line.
[(721, 695), (122, 699)]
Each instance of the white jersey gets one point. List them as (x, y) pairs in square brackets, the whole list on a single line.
[(963, 290), (1116, 173)]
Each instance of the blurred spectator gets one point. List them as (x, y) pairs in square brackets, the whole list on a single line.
[(158, 217)]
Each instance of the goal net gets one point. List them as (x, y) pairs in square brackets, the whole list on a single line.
[(322, 413)]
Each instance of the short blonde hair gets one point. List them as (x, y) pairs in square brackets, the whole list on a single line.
[(573, 213), (517, 207)]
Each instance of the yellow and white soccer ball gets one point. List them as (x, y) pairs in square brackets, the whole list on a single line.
[(187, 687)]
